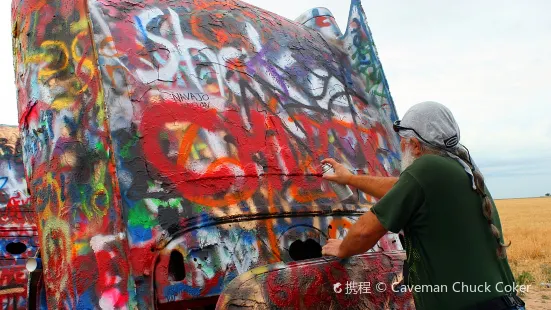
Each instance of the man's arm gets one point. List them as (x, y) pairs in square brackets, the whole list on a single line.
[(371, 185), (362, 236), (392, 213)]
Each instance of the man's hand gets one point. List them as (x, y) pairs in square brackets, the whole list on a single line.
[(331, 248), (341, 176), (361, 237)]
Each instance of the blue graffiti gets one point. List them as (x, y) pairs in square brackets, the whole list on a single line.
[(3, 182)]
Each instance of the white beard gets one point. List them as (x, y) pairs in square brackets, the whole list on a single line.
[(407, 158)]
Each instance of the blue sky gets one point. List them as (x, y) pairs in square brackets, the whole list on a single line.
[(488, 61)]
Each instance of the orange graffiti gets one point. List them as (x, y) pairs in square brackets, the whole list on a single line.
[(274, 246), (228, 199), (338, 223), (187, 143)]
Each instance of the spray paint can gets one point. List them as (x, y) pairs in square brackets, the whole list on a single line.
[(343, 191)]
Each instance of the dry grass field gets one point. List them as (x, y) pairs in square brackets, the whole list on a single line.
[(527, 224)]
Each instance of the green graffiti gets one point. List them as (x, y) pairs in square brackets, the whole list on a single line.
[(140, 216), (175, 203), (197, 208), (101, 149), (125, 150)]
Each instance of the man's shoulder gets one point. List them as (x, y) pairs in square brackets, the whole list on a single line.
[(431, 159), (430, 163)]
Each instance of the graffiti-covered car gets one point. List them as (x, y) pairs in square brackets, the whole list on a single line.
[(18, 233), (173, 151)]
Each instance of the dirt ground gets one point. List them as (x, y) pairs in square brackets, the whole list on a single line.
[(538, 299), (527, 224)]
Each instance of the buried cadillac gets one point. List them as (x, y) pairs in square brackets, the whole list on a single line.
[(172, 150)]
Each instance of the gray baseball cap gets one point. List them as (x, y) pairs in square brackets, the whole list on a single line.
[(432, 123)]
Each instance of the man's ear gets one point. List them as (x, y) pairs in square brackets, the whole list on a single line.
[(403, 144), (416, 147)]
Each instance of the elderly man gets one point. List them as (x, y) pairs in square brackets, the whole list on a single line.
[(451, 226)]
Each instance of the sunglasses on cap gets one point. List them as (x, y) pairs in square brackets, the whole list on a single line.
[(397, 128), (451, 142)]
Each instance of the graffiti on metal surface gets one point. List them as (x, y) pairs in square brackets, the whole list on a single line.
[(310, 285), (219, 109), (68, 157), (18, 235), (172, 146)]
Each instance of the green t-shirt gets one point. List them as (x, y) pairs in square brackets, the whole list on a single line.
[(451, 252)]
